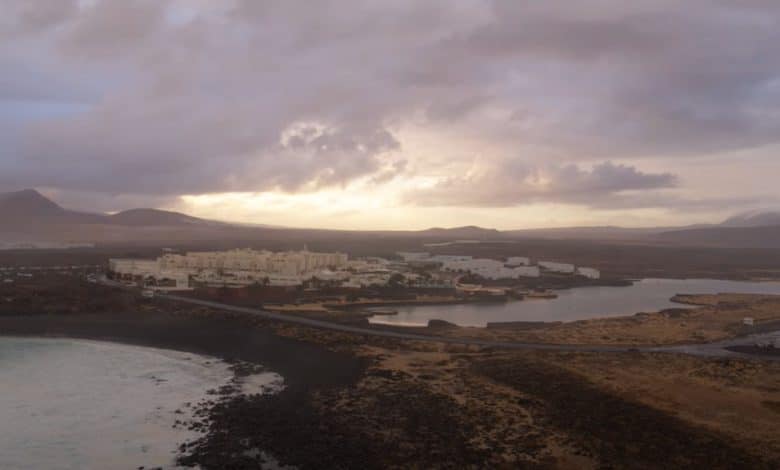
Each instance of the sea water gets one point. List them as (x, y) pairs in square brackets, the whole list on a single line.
[(76, 404)]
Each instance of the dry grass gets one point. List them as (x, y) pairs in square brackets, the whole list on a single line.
[(735, 397)]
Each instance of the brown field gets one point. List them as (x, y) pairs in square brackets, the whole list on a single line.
[(566, 410)]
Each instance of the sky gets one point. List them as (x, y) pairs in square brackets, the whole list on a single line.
[(395, 114)]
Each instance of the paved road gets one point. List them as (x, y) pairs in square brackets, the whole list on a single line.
[(716, 349)]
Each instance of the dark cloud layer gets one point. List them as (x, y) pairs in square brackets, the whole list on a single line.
[(166, 97)]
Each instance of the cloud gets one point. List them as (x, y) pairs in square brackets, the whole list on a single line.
[(513, 184), (190, 97), (114, 28), (25, 17)]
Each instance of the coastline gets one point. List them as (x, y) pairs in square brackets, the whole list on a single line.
[(302, 364), (123, 406), (307, 368), (384, 394)]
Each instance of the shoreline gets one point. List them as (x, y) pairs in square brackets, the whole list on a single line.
[(396, 386), (306, 368), (300, 363), (124, 404)]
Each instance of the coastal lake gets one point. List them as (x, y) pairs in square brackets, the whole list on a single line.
[(647, 295), (76, 404)]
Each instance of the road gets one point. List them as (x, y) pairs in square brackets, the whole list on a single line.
[(715, 349)]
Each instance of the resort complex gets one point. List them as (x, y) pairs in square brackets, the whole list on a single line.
[(243, 267), (231, 267)]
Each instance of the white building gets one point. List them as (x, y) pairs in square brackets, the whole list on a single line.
[(142, 271), (490, 269), (367, 280), (510, 273), (366, 265), (328, 275), (448, 258), (564, 268), (288, 263), (527, 271), (414, 255), (232, 267), (590, 273), (471, 265), (513, 261)]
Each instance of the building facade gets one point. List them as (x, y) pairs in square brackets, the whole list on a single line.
[(564, 268), (590, 273), (232, 267), (518, 261), (287, 263), (490, 269)]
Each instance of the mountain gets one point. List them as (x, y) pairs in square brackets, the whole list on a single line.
[(731, 237), (33, 217), (28, 203), (156, 217), (31, 206), (587, 233), (29, 216), (753, 219), (469, 231), (746, 230)]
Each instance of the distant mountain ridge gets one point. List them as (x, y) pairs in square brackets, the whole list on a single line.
[(143, 217), (31, 206), (753, 219), (468, 231), (28, 215), (758, 229), (734, 237)]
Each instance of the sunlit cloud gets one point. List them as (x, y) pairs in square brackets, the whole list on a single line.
[(407, 113)]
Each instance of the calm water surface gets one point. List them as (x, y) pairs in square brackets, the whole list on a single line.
[(647, 295), (73, 404)]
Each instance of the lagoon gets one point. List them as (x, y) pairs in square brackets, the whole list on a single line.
[(646, 295)]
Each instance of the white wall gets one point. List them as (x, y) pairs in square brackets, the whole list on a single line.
[(518, 261), (565, 268), (590, 273)]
